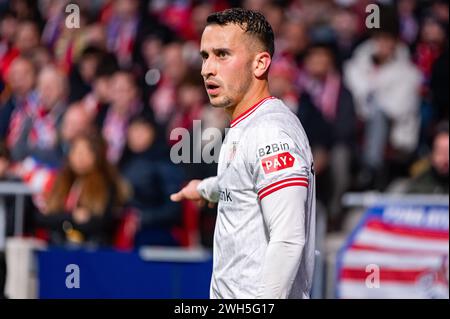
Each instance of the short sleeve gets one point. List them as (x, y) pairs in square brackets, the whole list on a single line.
[(277, 161)]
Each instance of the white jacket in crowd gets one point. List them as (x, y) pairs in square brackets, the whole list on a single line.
[(395, 88)]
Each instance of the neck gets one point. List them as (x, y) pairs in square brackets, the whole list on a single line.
[(252, 97)]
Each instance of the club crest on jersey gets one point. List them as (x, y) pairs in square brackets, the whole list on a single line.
[(232, 153), (277, 162)]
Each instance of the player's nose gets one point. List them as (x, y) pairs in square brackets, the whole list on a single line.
[(208, 69)]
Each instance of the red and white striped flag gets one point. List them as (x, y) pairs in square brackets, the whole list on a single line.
[(396, 252)]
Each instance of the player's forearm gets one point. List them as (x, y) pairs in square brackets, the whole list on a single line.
[(281, 264), (209, 189), (284, 213)]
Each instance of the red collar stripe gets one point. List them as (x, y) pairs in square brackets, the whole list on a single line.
[(247, 113)]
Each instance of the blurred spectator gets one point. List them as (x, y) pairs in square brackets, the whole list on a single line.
[(8, 26), (26, 10), (409, 27), (76, 121), (434, 180), (39, 134), (126, 27), (190, 102), (274, 11), (83, 75), (185, 19), (328, 115), (201, 9), (283, 75), (26, 39), (430, 51), (430, 45), (439, 84), (68, 44), (147, 167), (294, 41), (41, 57), (54, 21), (125, 103), (385, 85), (21, 80), (68, 47), (439, 8), (81, 207), (174, 68), (98, 100), (151, 55), (94, 35), (344, 23)]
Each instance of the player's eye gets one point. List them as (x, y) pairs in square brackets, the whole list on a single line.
[(222, 54)]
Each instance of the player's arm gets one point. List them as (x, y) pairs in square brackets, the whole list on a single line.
[(280, 169), (209, 189), (284, 214), (199, 191)]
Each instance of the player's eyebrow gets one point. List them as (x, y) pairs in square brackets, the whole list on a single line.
[(221, 50), (216, 51)]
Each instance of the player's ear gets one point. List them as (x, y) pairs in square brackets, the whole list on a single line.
[(261, 64)]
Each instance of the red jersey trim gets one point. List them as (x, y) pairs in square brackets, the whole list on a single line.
[(288, 182), (250, 111)]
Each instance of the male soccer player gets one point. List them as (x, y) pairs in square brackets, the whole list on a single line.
[(264, 235)]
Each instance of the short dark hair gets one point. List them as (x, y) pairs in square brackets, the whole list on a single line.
[(107, 66), (251, 22), (389, 23)]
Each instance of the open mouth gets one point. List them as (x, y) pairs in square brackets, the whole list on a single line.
[(212, 88)]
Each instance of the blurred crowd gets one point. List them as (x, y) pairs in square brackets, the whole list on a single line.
[(86, 112)]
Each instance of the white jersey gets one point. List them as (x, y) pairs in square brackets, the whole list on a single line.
[(265, 188)]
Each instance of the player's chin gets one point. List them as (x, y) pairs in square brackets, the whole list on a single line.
[(216, 101)]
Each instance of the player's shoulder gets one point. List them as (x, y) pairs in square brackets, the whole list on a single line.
[(275, 118), (275, 109)]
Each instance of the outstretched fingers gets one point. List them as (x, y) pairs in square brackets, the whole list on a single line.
[(177, 197)]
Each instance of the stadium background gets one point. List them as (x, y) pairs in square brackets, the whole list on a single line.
[(374, 103)]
